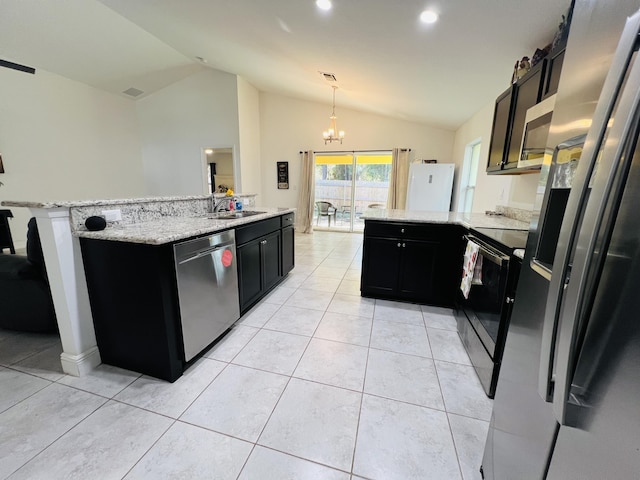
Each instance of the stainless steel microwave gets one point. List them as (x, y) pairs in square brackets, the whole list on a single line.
[(533, 148)]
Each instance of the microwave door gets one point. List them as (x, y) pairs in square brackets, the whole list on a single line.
[(533, 148)]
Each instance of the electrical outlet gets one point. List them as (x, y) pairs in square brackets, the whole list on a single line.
[(112, 215)]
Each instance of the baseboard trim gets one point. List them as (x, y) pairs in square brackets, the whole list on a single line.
[(80, 365)]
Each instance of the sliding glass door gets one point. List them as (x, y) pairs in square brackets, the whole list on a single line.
[(347, 183)]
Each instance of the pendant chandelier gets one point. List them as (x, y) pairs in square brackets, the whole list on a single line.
[(332, 134)]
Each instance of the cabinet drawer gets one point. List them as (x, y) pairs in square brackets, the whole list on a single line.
[(255, 230), (414, 231), (288, 219)]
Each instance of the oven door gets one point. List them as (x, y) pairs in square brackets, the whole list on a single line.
[(486, 299)]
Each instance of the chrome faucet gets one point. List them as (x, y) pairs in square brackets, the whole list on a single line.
[(216, 205)]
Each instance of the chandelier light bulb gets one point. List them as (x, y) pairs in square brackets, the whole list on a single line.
[(329, 135)]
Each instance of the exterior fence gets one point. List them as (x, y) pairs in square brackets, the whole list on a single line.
[(338, 192)]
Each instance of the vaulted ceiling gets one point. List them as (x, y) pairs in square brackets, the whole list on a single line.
[(385, 60)]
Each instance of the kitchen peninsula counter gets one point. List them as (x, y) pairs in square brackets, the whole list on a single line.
[(416, 256), (467, 220), (156, 222), (153, 220)]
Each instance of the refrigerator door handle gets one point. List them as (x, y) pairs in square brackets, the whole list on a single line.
[(548, 382)]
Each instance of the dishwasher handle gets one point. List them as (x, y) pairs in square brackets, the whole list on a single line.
[(206, 252)]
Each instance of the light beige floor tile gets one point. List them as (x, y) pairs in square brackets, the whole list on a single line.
[(171, 399), (333, 363), (301, 321), (186, 451), (315, 422), (238, 402), (405, 442), (267, 464)]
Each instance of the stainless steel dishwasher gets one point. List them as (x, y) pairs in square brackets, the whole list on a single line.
[(207, 289)]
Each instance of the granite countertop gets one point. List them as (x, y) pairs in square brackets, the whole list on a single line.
[(171, 229), (118, 201), (468, 220)]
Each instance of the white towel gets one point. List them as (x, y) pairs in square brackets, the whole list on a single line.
[(471, 269)]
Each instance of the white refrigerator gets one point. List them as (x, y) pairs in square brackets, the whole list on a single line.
[(430, 186)]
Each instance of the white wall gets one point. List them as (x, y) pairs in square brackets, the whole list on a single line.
[(288, 126), (249, 131), (64, 140), (491, 190), (177, 122)]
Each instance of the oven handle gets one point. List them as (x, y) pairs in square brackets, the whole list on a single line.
[(488, 252)]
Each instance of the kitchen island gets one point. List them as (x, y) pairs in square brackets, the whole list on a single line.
[(163, 291), (146, 222)]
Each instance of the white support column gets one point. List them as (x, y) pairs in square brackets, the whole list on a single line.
[(65, 270)]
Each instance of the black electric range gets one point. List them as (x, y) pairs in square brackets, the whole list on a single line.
[(483, 314), (509, 239)]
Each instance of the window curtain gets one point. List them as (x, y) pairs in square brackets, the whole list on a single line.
[(304, 217), (398, 179)]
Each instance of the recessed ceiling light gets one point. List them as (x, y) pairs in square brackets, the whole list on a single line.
[(324, 4), (429, 16)]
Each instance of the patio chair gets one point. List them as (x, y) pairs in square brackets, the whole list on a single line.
[(325, 209)]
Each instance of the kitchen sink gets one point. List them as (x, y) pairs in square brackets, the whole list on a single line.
[(233, 215)]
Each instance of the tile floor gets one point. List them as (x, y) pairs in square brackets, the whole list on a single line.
[(314, 383)]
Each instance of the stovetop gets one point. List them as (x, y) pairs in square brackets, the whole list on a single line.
[(511, 239)]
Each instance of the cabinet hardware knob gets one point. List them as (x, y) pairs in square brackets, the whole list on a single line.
[(404, 245), (398, 244), (510, 300), (402, 230)]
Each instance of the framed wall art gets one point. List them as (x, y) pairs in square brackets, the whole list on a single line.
[(283, 175)]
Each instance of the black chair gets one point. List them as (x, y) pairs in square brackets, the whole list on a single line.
[(325, 209), (5, 232), (25, 297)]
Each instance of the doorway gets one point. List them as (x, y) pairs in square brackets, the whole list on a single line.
[(220, 174), (346, 184)]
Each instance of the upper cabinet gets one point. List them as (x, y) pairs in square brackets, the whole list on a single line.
[(511, 109)]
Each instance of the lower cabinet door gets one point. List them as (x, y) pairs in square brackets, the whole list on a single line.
[(271, 263), (249, 273), (288, 251), (419, 277), (380, 266)]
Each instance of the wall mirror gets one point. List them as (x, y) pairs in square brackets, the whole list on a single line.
[(219, 170)]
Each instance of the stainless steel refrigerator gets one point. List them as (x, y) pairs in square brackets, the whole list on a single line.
[(567, 404)]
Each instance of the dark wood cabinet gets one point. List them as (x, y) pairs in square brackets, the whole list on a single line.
[(511, 108), (501, 130), (380, 266), (265, 256), (554, 68), (528, 92), (288, 250), (249, 273), (412, 262), (288, 244), (134, 295), (271, 259), (134, 302)]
